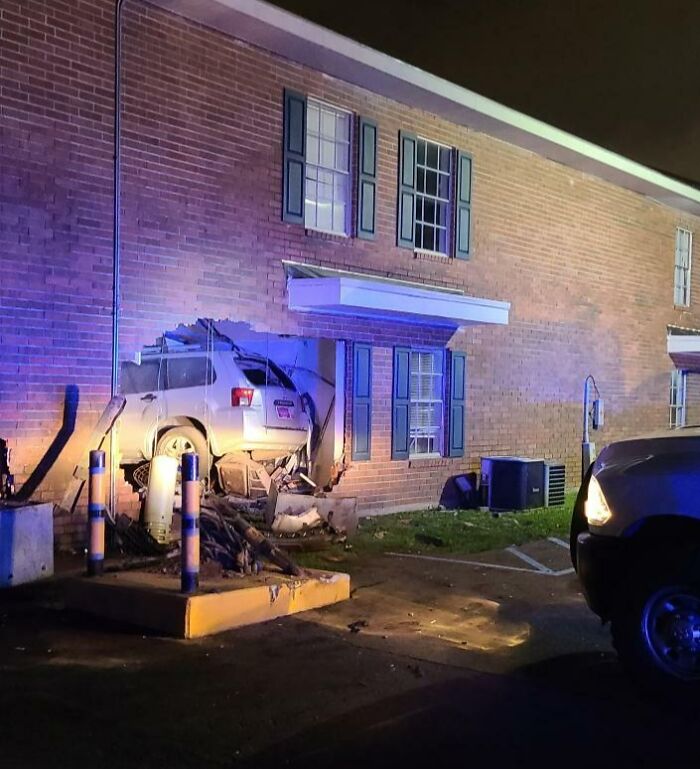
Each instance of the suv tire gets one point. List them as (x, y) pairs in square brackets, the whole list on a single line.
[(177, 440), (656, 631)]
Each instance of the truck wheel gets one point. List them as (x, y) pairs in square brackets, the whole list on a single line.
[(656, 632), (177, 440)]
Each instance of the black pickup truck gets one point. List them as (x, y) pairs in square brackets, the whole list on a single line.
[(635, 543)]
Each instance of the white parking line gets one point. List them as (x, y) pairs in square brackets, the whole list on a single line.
[(513, 550), (557, 541), (545, 572)]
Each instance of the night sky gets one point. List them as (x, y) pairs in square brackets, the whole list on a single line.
[(623, 74)]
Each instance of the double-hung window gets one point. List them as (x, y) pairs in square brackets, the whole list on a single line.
[(318, 183), (434, 198), (681, 282), (327, 189), (426, 417), (433, 174), (428, 403), (677, 398)]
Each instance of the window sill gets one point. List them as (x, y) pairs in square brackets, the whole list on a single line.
[(421, 253), (313, 232), (428, 460)]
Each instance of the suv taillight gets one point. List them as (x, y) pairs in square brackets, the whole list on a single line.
[(242, 396)]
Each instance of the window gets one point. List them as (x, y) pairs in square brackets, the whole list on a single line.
[(426, 413), (141, 378), (262, 373), (681, 283), (433, 167), (434, 198), (677, 398), (423, 407), (328, 197), (190, 372)]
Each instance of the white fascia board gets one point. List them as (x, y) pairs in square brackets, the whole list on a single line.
[(679, 344), (368, 298), (302, 41)]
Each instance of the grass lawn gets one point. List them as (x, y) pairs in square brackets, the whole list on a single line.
[(438, 532)]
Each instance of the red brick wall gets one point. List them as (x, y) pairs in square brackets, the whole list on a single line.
[(587, 266), (55, 233)]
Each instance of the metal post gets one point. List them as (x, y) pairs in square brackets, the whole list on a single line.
[(588, 452), (96, 514), (189, 568)]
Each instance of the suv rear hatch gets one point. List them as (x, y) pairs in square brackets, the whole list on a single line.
[(281, 402)]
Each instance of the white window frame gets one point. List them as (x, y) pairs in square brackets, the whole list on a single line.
[(316, 168), (414, 433), (682, 268), (677, 398), (436, 199)]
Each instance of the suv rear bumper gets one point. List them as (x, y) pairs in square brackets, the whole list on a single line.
[(602, 563)]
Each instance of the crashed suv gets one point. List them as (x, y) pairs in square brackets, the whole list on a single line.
[(212, 401), (635, 540)]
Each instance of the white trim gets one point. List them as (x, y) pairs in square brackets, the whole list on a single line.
[(339, 406), (372, 298), (302, 41), (679, 344)]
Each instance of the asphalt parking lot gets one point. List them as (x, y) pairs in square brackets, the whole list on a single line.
[(429, 661)]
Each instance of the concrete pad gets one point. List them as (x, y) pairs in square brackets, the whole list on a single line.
[(153, 601), (26, 542)]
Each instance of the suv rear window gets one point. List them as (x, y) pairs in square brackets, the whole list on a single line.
[(260, 373), (190, 372)]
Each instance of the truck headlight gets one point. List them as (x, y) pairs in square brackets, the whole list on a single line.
[(597, 510)]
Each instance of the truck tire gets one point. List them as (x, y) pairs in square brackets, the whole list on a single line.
[(656, 632), (175, 441)]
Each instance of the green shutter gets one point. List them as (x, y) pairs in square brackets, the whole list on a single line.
[(361, 401), (367, 180), (294, 157), (401, 403), (458, 378), (463, 206), (406, 213)]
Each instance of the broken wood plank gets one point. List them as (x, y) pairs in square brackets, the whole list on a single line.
[(80, 474)]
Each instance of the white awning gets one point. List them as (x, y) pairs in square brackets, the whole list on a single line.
[(683, 345), (365, 296)]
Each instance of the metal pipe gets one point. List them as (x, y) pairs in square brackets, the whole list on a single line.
[(586, 399), (116, 246)]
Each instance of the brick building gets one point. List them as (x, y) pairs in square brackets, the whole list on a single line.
[(276, 174)]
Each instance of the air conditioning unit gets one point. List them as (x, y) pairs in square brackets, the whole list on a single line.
[(514, 483), (554, 484)]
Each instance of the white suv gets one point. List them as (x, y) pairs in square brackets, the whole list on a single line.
[(214, 401)]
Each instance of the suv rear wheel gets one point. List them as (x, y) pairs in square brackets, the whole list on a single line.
[(178, 440)]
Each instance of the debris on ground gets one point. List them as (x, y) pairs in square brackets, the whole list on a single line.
[(357, 625), (293, 524), (226, 537)]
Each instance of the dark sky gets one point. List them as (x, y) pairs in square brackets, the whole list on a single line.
[(624, 74)]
